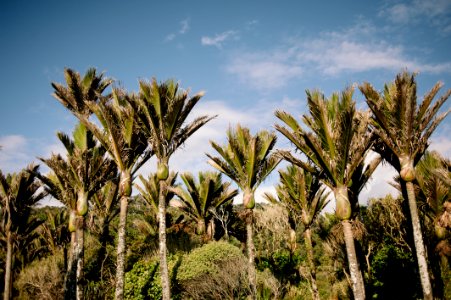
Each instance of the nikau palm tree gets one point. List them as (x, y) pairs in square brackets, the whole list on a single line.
[(74, 181), (198, 198), (18, 194), (305, 197), (247, 160), (121, 136), (404, 129), (336, 143), (163, 110)]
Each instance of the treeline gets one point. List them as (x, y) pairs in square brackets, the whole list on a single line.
[(180, 236)]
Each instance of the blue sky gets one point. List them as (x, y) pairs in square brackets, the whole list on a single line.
[(251, 57)]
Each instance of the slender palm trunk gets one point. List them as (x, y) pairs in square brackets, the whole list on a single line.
[(358, 287), (125, 192), (80, 256), (162, 242), (309, 247), (69, 280), (8, 267), (419, 245), (251, 253)]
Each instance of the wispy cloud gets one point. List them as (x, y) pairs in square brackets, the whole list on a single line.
[(436, 12), (184, 28), (219, 39), (14, 153), (353, 50), (263, 71)]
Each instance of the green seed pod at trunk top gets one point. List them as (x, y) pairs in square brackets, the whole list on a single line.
[(162, 171), (72, 221), (126, 184), (342, 205), (407, 172), (201, 228), (249, 199), (82, 204), (440, 232)]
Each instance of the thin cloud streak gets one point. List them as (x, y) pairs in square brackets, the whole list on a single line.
[(219, 39)]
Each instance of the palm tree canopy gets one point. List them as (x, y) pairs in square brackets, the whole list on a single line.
[(18, 194), (210, 192), (302, 193), (403, 126), (163, 110), (80, 90), (246, 159), (120, 133), (150, 190), (86, 167), (337, 138)]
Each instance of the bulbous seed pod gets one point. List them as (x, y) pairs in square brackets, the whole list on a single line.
[(407, 172), (343, 206), (82, 204), (292, 236), (162, 171), (72, 220), (305, 218), (200, 227), (126, 184), (440, 232), (248, 199)]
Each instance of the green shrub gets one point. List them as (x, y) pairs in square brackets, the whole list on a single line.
[(206, 260), (143, 281)]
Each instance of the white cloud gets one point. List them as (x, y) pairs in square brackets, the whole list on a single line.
[(219, 39), (353, 50), (264, 72), (416, 10), (14, 154), (184, 28)]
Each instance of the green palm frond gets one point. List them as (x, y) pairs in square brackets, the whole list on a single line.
[(246, 159), (150, 190)]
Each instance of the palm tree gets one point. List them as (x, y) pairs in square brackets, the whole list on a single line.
[(18, 194), (150, 190), (79, 90), (404, 128), (74, 181), (163, 110), (199, 198), (305, 197), (247, 160), (119, 134), (335, 144)]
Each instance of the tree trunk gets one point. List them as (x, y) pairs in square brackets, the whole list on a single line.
[(309, 247), (8, 267), (69, 280), (80, 256), (162, 242), (357, 285), (125, 192), (419, 245), (251, 253)]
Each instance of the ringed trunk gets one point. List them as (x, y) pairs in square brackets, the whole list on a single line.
[(80, 257), (419, 245), (358, 288), (8, 267), (70, 278), (125, 189), (162, 240), (251, 252), (309, 247)]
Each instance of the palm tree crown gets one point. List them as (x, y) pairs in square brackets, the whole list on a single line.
[(200, 197), (246, 159)]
